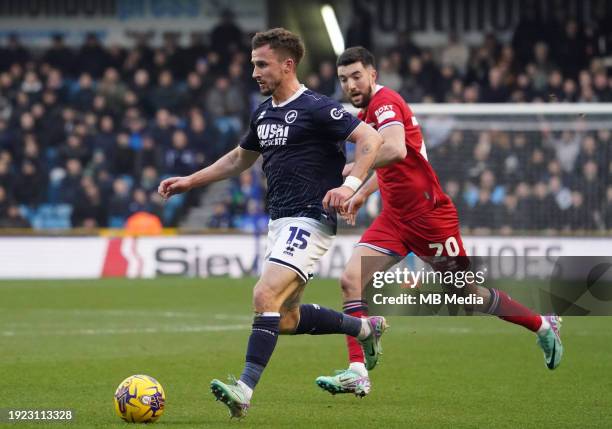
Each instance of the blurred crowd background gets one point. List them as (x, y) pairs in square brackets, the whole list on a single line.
[(87, 133)]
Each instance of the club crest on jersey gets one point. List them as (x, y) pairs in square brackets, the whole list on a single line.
[(272, 134), (384, 112), (337, 113), (291, 116)]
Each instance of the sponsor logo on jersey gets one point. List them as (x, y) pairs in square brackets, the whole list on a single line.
[(291, 116), (337, 113), (272, 134), (384, 113)]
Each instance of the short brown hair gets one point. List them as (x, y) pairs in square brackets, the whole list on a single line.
[(282, 41)]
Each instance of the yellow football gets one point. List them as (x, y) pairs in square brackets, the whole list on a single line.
[(139, 399)]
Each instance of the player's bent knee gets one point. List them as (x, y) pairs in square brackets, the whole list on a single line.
[(265, 299)]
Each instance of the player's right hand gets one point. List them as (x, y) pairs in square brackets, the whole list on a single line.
[(173, 185), (351, 207)]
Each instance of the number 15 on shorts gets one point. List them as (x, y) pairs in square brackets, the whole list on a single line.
[(300, 236)]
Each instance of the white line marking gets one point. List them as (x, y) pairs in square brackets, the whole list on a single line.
[(129, 331)]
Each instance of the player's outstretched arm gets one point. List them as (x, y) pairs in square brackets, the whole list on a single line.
[(394, 147), (229, 165), (367, 142)]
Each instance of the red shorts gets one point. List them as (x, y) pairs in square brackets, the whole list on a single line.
[(435, 233)]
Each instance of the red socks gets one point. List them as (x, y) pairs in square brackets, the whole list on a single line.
[(502, 306), (357, 308)]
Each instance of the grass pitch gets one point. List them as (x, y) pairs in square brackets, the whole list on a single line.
[(68, 344)]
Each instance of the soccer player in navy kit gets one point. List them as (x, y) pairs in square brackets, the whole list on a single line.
[(300, 135)]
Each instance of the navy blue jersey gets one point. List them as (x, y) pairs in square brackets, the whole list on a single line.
[(302, 144)]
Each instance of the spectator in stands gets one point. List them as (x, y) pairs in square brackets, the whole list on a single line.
[(59, 55), (180, 160), (74, 149), (139, 201), (570, 49), (226, 37), (578, 216), (566, 145), (541, 67), (388, 75), (221, 217), (603, 91), (92, 57), (166, 94), (554, 89), (119, 204), (328, 78), (607, 211), (141, 87), (203, 138), (545, 210), (70, 186), (30, 185), (123, 160), (508, 218), (163, 128), (195, 94), (13, 218), (414, 87), (149, 179), (496, 90), (150, 155), (524, 204), (226, 107), (405, 47), (6, 176), (4, 202), (483, 214), (13, 53), (89, 210), (591, 188), (455, 53)]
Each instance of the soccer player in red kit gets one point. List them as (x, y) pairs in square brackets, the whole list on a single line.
[(417, 216)]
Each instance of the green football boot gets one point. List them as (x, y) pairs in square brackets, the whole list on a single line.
[(345, 381), (550, 342), (231, 395), (372, 347)]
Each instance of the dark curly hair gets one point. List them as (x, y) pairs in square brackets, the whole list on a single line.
[(356, 54)]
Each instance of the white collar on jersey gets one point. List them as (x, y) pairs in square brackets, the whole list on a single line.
[(295, 95), (377, 88)]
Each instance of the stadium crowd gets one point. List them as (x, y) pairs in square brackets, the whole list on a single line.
[(87, 133)]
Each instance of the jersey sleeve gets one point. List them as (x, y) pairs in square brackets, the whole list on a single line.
[(249, 140), (334, 120), (387, 111)]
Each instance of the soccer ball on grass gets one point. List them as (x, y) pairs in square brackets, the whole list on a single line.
[(139, 399)]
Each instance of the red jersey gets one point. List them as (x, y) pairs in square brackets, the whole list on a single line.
[(409, 187)]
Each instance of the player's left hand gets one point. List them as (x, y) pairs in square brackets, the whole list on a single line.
[(349, 209), (335, 198)]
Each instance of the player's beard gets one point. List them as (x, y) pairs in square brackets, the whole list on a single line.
[(365, 99), (269, 88)]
